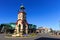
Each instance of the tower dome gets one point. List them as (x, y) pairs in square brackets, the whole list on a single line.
[(22, 7)]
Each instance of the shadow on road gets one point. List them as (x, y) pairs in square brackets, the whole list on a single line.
[(46, 38)]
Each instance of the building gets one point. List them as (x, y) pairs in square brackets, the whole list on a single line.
[(4, 28), (13, 25), (11, 28), (43, 30), (31, 28)]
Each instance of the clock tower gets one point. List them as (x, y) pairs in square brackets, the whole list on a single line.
[(21, 24)]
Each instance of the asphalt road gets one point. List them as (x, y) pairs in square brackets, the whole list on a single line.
[(38, 37)]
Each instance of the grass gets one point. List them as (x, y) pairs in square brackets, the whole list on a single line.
[(28, 35), (33, 34)]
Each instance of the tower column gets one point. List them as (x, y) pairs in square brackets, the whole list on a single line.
[(21, 30), (17, 29), (26, 29)]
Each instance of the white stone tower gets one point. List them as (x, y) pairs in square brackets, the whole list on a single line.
[(21, 24)]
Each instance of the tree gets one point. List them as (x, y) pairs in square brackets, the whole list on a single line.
[(51, 30)]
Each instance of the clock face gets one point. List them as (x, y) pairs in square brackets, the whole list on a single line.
[(20, 16)]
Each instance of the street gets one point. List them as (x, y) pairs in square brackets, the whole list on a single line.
[(45, 36)]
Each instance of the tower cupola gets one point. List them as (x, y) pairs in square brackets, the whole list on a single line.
[(22, 7)]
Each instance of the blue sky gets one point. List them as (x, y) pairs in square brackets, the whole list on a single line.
[(44, 13)]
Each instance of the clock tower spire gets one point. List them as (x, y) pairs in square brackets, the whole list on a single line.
[(21, 24)]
